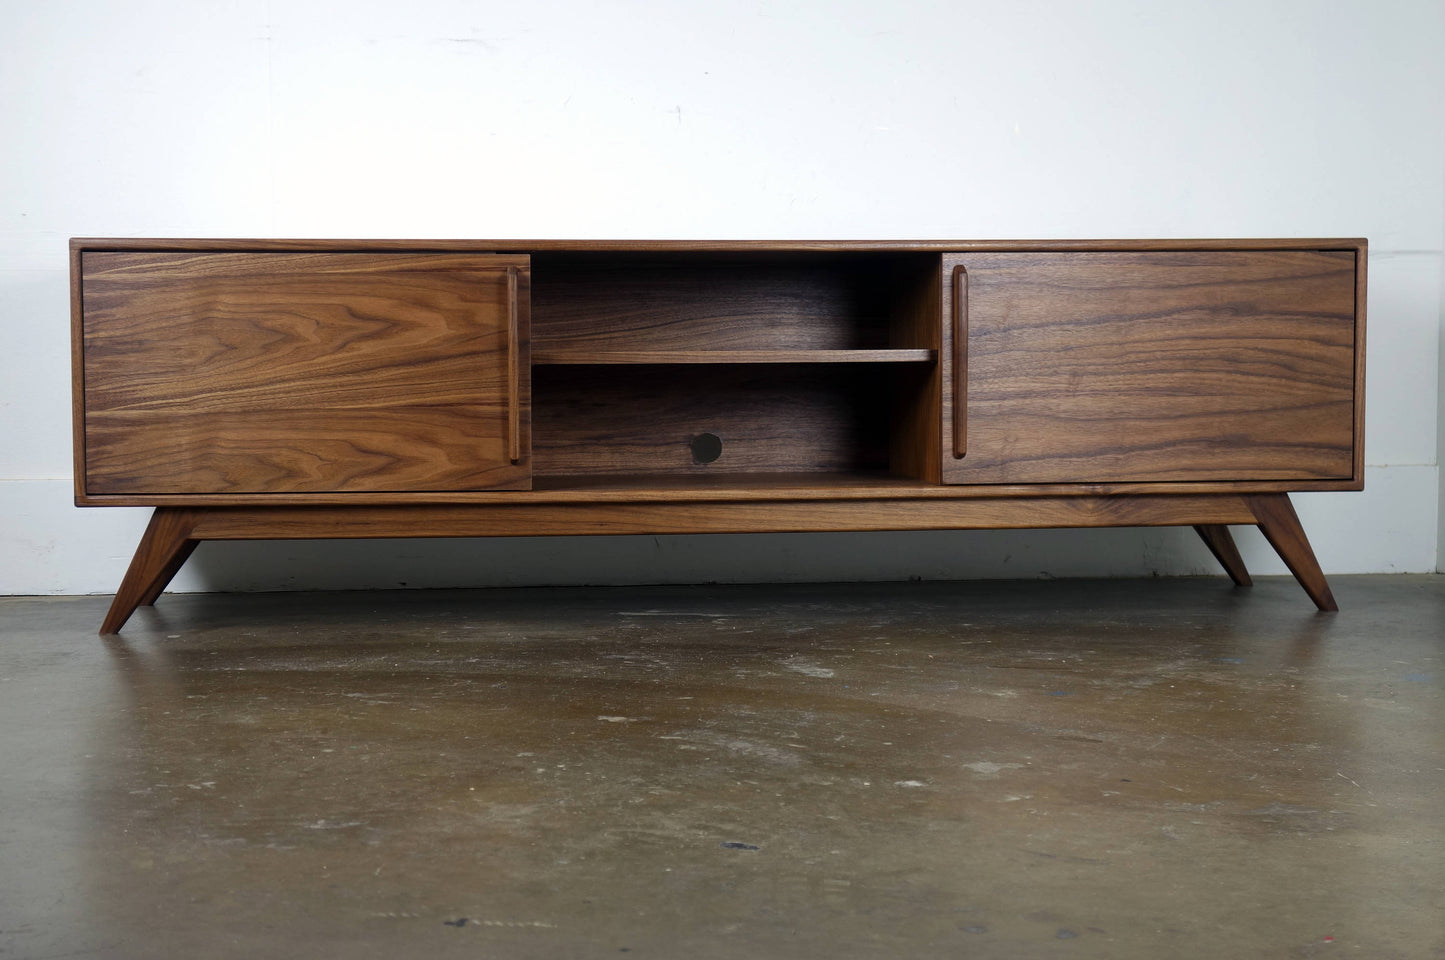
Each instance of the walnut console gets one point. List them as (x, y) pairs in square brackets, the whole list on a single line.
[(273, 389)]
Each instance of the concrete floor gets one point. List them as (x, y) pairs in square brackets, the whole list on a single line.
[(1166, 768)]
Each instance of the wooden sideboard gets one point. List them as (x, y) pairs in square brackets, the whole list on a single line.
[(272, 389)]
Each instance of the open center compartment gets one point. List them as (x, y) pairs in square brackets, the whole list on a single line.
[(807, 366)]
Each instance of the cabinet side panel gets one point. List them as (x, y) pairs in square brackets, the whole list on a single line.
[(1166, 366), (295, 372), (77, 373), (1362, 260)]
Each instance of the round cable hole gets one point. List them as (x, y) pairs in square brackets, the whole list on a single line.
[(706, 447)]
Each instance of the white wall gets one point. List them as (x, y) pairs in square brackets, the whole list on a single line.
[(1440, 432), (967, 119)]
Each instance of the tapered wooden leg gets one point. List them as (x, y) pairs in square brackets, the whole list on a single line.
[(1281, 527), (163, 548), (1217, 538), (169, 573)]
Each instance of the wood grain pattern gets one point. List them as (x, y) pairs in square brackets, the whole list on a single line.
[(960, 361), (915, 324), (168, 572), (1281, 527), (1221, 543), (1362, 260), (168, 539), (570, 356), (252, 372), (718, 484), (1159, 366), (765, 247), (775, 302), (174, 532), (77, 376), (399, 449), (262, 523), (642, 420), (515, 345), (1090, 383)]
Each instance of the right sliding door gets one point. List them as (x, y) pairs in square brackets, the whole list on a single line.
[(1103, 366)]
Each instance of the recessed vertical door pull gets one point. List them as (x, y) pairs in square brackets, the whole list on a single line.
[(960, 362), (514, 403)]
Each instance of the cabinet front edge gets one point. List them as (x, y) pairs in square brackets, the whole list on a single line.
[(703, 246)]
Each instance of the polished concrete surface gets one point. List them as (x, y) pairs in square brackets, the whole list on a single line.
[(1165, 768)]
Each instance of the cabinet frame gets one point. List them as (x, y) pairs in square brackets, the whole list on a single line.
[(922, 435)]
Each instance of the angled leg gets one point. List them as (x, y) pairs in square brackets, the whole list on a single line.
[(1217, 538), (169, 573), (1281, 527), (164, 547)]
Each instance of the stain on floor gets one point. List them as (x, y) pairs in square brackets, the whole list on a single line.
[(1046, 769)]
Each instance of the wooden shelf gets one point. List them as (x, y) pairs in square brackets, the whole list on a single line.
[(542, 354), (707, 484)]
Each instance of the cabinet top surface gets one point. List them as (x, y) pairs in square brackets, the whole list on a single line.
[(703, 246)]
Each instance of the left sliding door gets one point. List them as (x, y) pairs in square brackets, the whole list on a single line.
[(221, 375)]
